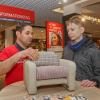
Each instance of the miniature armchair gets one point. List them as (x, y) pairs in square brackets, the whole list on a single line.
[(49, 70)]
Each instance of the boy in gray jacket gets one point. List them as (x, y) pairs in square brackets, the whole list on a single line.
[(84, 52)]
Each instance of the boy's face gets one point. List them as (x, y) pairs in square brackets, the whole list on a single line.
[(75, 32)]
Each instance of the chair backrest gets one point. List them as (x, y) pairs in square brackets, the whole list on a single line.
[(47, 58)]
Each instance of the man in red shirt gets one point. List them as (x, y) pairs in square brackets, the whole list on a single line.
[(11, 58)]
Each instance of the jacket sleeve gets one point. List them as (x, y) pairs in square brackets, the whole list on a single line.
[(96, 63)]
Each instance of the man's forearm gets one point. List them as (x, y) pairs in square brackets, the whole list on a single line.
[(7, 65)]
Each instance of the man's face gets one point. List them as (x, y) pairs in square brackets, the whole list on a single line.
[(74, 32), (25, 37)]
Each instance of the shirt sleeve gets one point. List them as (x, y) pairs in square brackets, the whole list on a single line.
[(3, 55)]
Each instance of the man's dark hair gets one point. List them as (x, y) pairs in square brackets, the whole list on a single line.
[(21, 26)]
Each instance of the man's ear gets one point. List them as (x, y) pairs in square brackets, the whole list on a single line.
[(17, 33), (82, 29)]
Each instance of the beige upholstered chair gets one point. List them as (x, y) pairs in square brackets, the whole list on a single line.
[(49, 70)]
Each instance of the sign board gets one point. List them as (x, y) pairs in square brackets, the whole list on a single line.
[(11, 12), (55, 35)]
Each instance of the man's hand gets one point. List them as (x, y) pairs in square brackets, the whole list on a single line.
[(88, 83), (30, 53)]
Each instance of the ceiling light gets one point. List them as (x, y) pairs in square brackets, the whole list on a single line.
[(42, 31), (64, 1), (92, 19), (83, 19), (59, 2), (59, 10)]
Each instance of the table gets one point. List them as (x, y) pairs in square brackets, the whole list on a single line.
[(17, 91)]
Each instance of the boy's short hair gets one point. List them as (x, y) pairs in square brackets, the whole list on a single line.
[(77, 19)]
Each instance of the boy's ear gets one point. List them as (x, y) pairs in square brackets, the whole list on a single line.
[(82, 29)]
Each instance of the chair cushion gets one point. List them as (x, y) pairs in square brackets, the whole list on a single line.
[(51, 72), (47, 58)]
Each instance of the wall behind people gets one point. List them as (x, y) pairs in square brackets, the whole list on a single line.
[(9, 35), (2, 40), (39, 32), (39, 36)]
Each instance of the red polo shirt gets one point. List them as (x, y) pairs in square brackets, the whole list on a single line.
[(16, 73)]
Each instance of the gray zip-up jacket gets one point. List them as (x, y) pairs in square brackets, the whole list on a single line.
[(87, 60)]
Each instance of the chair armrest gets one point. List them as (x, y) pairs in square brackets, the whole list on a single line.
[(30, 76), (71, 67)]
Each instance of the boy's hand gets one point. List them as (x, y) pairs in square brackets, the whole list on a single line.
[(88, 83)]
